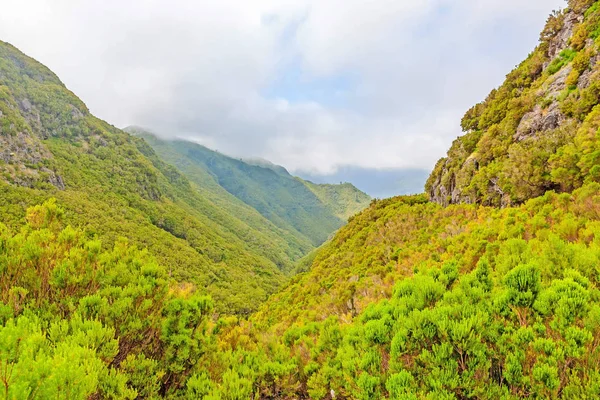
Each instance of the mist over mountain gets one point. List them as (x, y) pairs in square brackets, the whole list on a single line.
[(307, 212)]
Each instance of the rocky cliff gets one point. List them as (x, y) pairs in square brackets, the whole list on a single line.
[(538, 131)]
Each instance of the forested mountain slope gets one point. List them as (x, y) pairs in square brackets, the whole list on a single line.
[(306, 211), (113, 184), (409, 300), (343, 200), (412, 299), (539, 130)]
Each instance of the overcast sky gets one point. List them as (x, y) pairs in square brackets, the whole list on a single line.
[(311, 85)]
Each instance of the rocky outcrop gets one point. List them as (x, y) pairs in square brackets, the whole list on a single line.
[(23, 157), (538, 121), (561, 39), (543, 101)]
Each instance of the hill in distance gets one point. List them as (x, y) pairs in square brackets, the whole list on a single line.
[(378, 183), (307, 211)]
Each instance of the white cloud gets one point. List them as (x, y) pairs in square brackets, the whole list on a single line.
[(200, 69)]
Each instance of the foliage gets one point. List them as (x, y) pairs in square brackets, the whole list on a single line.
[(530, 134), (80, 321), (112, 184), (305, 212), (409, 300)]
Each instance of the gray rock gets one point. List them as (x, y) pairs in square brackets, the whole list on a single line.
[(75, 113), (22, 153), (55, 179), (538, 121), (585, 78), (561, 40), (25, 105), (558, 83)]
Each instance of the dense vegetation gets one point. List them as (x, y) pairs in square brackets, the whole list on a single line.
[(412, 299), (78, 321), (114, 185), (539, 130), (306, 211)]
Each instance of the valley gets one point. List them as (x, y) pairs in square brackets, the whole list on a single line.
[(136, 266)]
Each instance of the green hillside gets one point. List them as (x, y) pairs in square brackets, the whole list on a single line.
[(307, 212), (538, 131), (486, 287), (343, 200), (114, 185)]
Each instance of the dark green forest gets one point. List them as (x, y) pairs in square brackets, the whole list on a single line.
[(136, 268)]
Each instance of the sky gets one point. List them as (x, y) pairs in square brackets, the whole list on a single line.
[(318, 86)]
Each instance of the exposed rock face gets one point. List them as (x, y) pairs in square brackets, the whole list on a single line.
[(557, 84), (451, 191), (55, 180), (27, 119), (22, 148), (23, 156), (539, 121), (585, 78), (561, 40)]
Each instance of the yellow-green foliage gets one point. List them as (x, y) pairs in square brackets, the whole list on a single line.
[(412, 300), (74, 317), (265, 196), (493, 163), (115, 185), (343, 200)]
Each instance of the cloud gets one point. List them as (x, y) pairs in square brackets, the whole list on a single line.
[(312, 85)]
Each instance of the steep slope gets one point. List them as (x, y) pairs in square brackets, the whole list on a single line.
[(205, 183), (416, 299), (307, 212), (114, 185), (538, 131), (411, 299)]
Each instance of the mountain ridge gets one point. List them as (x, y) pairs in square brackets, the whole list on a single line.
[(114, 185), (309, 212), (463, 292)]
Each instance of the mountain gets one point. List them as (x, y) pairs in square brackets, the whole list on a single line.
[(260, 162), (472, 296), (308, 212), (342, 200), (411, 300), (114, 185), (378, 183), (537, 131), (476, 296)]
